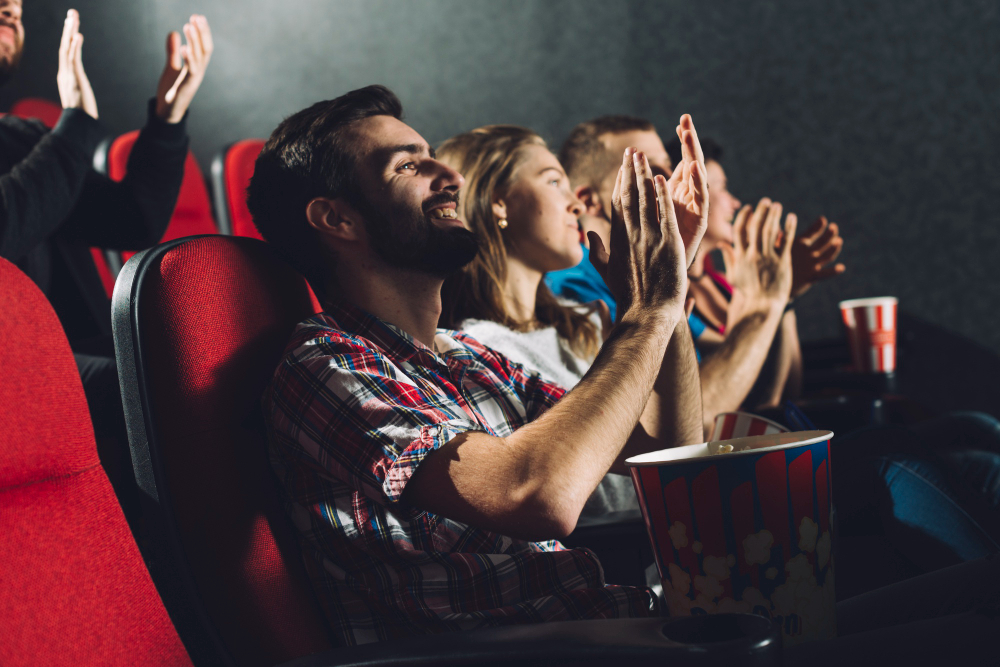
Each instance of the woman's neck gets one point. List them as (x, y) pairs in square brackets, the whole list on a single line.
[(520, 290)]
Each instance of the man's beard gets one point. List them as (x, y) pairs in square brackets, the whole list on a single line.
[(407, 239), (9, 63)]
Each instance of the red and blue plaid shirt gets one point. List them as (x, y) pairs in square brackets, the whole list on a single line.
[(354, 407)]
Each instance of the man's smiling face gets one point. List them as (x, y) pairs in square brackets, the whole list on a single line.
[(409, 199), (11, 38)]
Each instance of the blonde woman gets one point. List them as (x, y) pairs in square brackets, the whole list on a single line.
[(518, 200)]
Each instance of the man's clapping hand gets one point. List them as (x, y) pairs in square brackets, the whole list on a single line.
[(688, 188), (813, 254), (74, 87), (185, 69)]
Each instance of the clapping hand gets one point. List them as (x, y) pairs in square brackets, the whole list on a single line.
[(688, 188), (74, 87), (759, 263), (813, 254), (185, 69)]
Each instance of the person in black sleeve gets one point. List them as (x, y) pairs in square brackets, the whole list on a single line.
[(54, 206)]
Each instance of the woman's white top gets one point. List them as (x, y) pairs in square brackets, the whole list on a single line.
[(544, 351)]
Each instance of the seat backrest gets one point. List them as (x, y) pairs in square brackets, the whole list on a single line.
[(231, 172), (200, 325), (44, 110), (193, 212), (73, 586)]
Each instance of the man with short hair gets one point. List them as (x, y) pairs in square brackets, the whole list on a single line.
[(429, 477), (732, 364)]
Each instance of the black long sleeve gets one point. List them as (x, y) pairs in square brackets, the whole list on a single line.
[(43, 176), (133, 214), (54, 206)]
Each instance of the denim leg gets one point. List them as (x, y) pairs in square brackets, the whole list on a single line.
[(923, 519)]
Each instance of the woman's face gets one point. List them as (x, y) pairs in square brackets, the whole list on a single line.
[(542, 211), (722, 206)]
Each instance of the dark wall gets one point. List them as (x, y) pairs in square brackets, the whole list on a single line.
[(882, 115)]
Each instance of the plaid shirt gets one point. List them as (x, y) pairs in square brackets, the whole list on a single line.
[(354, 407)]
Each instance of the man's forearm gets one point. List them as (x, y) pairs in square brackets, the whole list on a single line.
[(672, 416), (728, 374), (533, 483)]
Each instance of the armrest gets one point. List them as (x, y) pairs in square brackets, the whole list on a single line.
[(698, 641), (621, 543)]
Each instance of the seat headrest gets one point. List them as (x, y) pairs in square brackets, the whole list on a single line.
[(219, 311), (46, 430)]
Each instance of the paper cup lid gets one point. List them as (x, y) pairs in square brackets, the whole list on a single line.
[(756, 443), (869, 301)]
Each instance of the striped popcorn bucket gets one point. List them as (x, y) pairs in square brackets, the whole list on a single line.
[(729, 425), (871, 333), (744, 525)]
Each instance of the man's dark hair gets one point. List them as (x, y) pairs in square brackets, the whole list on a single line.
[(308, 156), (585, 157), (711, 149)]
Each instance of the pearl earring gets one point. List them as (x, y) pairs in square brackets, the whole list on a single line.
[(502, 223)]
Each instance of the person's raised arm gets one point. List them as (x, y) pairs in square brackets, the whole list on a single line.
[(672, 416), (533, 483), (134, 213), (39, 191), (760, 270)]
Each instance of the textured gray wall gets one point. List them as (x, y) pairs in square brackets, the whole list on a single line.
[(882, 115)]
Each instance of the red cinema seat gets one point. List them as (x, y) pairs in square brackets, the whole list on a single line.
[(231, 172), (44, 110), (73, 586), (200, 325), (193, 212)]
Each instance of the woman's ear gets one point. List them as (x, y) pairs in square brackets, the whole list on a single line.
[(500, 209), (334, 217)]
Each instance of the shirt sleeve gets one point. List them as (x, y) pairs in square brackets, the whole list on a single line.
[(337, 406), (38, 193), (134, 213), (536, 393)]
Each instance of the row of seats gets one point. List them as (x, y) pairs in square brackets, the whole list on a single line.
[(199, 322), (230, 174)]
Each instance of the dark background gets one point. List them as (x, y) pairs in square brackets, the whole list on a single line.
[(882, 115)]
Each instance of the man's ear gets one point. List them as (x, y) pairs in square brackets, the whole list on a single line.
[(591, 200), (334, 217)]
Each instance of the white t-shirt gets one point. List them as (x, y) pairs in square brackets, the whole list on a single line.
[(544, 351)]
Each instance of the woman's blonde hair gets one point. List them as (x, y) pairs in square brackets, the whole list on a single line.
[(488, 158)]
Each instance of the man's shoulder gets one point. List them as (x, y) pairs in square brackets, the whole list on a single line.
[(320, 334)]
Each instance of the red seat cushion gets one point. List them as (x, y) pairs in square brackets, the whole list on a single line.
[(238, 168), (216, 313), (193, 212), (73, 586), (44, 110)]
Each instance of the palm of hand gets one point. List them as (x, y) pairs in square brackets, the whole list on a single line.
[(813, 254)]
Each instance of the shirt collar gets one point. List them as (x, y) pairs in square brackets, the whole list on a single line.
[(393, 341)]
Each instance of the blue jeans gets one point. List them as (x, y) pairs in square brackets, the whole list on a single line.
[(913, 500)]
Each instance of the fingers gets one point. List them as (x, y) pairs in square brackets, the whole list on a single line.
[(829, 235), (830, 271), (814, 231), (788, 236), (665, 207), (772, 225), (646, 189), (598, 254), (174, 60), (829, 253), (76, 56), (753, 227), (629, 194), (690, 141), (740, 226), (70, 28)]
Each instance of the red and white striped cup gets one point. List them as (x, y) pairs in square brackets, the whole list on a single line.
[(871, 333), (729, 425)]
